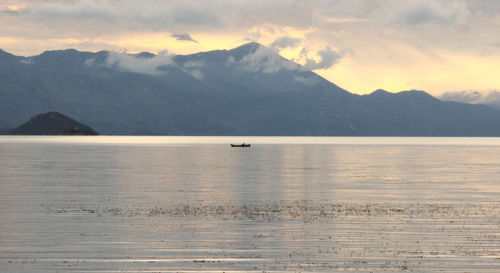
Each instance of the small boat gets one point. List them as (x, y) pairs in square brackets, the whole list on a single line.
[(240, 145)]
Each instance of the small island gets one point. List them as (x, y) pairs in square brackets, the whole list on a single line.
[(53, 123)]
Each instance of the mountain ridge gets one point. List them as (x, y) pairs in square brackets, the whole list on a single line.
[(248, 90)]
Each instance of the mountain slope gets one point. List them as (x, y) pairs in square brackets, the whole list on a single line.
[(412, 113), (249, 90), (53, 123)]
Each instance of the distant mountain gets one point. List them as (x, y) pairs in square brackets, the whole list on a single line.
[(5, 131), (53, 123), (249, 90), (491, 98)]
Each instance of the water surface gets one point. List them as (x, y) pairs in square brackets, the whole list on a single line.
[(170, 204)]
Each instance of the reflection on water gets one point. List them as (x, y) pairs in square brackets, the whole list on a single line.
[(196, 204), (190, 140)]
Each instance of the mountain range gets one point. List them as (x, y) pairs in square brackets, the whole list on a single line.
[(248, 90)]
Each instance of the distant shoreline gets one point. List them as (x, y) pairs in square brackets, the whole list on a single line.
[(255, 141)]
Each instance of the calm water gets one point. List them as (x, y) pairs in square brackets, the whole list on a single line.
[(194, 204)]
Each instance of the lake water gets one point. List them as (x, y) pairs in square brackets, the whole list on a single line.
[(194, 204)]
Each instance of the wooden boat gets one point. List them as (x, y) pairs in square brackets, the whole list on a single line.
[(240, 145)]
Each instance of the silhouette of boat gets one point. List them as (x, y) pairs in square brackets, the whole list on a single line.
[(240, 145)]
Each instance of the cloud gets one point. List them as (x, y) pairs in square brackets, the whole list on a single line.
[(285, 42), (474, 97), (183, 37), (400, 37), (344, 20), (328, 58), (27, 61), (138, 64), (484, 8), (192, 68), (149, 64), (196, 73), (265, 60), (193, 64), (462, 96), (430, 12), (492, 98), (243, 15), (56, 11), (120, 14), (172, 16)]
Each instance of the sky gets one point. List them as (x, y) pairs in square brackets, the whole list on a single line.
[(361, 45)]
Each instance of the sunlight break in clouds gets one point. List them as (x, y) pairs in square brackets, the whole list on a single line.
[(362, 45)]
